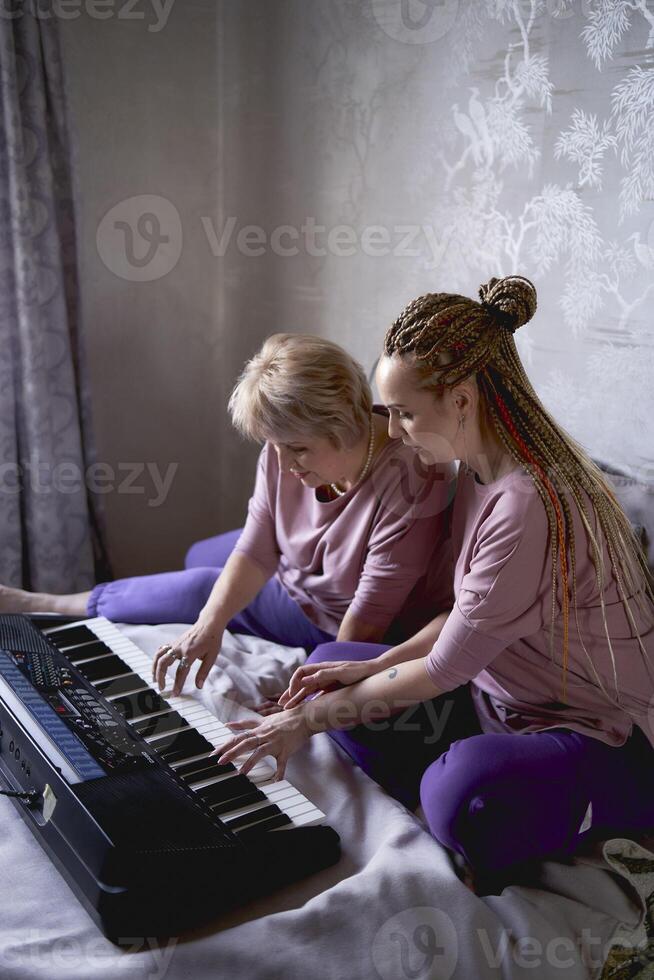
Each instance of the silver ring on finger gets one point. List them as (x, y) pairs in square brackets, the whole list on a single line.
[(184, 662)]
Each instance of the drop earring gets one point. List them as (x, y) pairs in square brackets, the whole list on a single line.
[(465, 448)]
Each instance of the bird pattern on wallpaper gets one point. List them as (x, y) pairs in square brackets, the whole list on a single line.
[(508, 219), (522, 140)]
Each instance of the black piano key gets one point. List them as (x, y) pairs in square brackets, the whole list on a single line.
[(88, 650), (104, 667), (183, 746), (256, 796), (160, 724), (166, 740), (203, 769), (255, 816), (260, 828), (72, 636), (120, 685), (226, 790), (145, 702)]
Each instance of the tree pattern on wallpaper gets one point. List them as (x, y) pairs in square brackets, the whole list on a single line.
[(555, 229), (520, 169)]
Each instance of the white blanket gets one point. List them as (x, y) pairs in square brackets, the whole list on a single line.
[(393, 908)]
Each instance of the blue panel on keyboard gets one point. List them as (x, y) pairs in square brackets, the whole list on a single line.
[(68, 744)]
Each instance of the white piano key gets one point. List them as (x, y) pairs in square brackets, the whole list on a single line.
[(281, 792)]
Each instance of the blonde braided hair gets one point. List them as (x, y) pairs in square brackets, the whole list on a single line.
[(451, 338)]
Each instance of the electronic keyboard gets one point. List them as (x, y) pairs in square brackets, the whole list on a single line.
[(116, 782)]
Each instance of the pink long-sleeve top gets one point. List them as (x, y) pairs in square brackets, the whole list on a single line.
[(497, 635), (366, 551)]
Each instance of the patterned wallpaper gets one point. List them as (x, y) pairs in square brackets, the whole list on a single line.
[(314, 166), (458, 141)]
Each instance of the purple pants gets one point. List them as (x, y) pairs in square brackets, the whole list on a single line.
[(178, 597), (500, 800)]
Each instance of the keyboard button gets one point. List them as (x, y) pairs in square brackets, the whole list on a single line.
[(228, 806)]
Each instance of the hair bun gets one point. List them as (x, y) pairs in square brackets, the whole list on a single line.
[(511, 300)]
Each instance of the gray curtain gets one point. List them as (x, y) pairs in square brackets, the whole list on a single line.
[(49, 534)]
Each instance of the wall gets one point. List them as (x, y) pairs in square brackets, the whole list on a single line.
[(377, 158)]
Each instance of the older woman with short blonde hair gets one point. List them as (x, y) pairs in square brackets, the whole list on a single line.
[(342, 524)]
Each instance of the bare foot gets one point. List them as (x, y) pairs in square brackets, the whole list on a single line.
[(20, 601)]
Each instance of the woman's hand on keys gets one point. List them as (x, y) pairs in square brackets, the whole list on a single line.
[(202, 641)]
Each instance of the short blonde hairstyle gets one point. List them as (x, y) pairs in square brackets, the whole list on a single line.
[(299, 385)]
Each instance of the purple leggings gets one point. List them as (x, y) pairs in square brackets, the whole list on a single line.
[(500, 800), (178, 597)]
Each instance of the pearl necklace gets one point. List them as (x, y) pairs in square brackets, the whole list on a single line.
[(366, 467)]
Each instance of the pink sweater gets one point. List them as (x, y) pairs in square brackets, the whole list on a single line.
[(366, 551), (497, 635)]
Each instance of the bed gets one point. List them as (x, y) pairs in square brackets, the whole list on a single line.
[(397, 905)]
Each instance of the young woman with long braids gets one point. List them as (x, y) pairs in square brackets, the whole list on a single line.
[(539, 540)]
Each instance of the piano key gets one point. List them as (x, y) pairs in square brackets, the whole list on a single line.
[(289, 799), (240, 804), (262, 828), (117, 686), (179, 755), (246, 809), (104, 667), (133, 706), (187, 739), (227, 788), (63, 636), (253, 816), (181, 745), (204, 772), (160, 725), (87, 651)]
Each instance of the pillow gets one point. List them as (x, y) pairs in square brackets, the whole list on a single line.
[(637, 501)]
